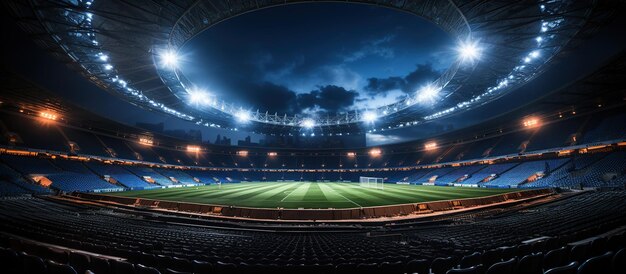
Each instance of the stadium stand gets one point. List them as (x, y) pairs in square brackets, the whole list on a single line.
[(69, 181), (571, 226), (118, 173), (149, 172)]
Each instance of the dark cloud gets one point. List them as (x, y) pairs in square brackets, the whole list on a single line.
[(330, 99), (273, 97), (422, 74), (280, 99)]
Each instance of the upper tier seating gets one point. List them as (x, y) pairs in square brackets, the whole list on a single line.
[(30, 165)]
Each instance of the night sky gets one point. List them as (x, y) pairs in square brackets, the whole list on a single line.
[(311, 58), (317, 58)]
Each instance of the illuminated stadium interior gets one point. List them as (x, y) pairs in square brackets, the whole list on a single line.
[(312, 137)]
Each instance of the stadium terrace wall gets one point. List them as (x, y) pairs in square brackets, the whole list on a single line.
[(316, 214)]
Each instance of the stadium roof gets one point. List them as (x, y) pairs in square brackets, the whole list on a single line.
[(130, 48)]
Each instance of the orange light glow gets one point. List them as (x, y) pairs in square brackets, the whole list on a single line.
[(242, 153), (531, 122), (351, 154), (146, 141), (272, 154), (191, 148), (430, 146), (375, 152), (48, 115)]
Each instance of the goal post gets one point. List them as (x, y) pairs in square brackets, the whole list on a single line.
[(371, 182)]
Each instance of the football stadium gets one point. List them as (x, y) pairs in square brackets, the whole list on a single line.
[(357, 137)]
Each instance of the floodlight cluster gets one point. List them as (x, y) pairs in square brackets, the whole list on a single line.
[(526, 68), (308, 123)]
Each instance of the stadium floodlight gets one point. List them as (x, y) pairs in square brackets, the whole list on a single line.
[(469, 51), (103, 57), (169, 59), (428, 94), (48, 115), (370, 116), (430, 146), (242, 116), (192, 148), (146, 141), (308, 123), (531, 122), (534, 54), (375, 152), (198, 96)]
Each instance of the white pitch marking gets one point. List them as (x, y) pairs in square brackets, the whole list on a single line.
[(290, 193), (344, 197)]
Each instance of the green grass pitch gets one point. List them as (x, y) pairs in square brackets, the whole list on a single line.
[(310, 195)]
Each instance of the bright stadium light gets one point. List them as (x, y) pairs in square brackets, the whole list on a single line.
[(308, 123), (430, 146), (428, 94), (370, 116), (469, 51), (192, 148), (103, 57), (242, 116), (169, 59), (198, 96), (375, 152)]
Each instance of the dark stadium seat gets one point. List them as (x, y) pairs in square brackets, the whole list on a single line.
[(531, 264), (9, 260), (142, 269), (597, 264), (470, 260), (477, 269), (491, 256), (99, 265), (202, 267), (33, 264), (555, 257), (441, 265), (578, 252), (79, 261), (223, 267), (171, 271), (122, 267), (418, 266), (391, 267), (59, 268), (523, 250), (506, 267), (57, 255), (618, 264), (571, 268)]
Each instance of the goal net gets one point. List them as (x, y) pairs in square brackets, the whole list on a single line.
[(371, 182)]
